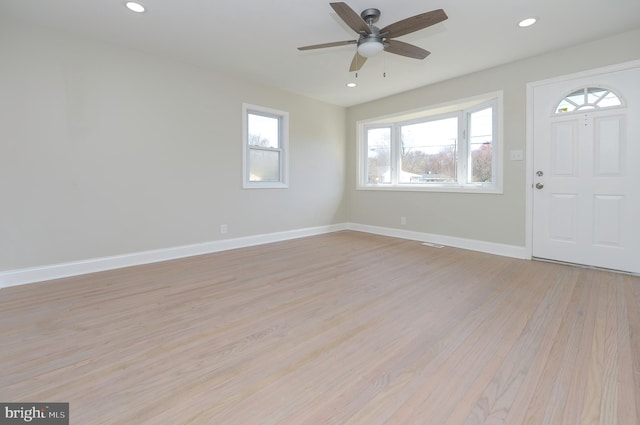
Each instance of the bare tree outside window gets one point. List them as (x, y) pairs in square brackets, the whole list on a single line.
[(482, 164), (481, 145)]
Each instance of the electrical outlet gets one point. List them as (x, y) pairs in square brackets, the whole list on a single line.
[(403, 220), (223, 228)]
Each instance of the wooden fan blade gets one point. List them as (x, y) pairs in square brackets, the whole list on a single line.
[(405, 49), (323, 45), (357, 62), (414, 23), (351, 18)]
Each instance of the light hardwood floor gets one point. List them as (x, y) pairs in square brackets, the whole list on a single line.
[(344, 328)]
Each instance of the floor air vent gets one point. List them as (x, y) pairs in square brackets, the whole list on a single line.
[(433, 245)]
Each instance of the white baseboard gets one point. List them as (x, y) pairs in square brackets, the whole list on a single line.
[(470, 244), (57, 271)]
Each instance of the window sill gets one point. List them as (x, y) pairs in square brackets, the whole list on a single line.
[(270, 185), (435, 188)]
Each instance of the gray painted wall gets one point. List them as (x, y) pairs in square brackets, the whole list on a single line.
[(107, 151), (484, 217)]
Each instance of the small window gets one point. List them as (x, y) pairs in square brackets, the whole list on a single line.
[(265, 142), (588, 98)]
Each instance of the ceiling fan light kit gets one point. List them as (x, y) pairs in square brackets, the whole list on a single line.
[(372, 40), (370, 47)]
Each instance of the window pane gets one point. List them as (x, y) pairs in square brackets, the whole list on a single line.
[(263, 131), (264, 165), (609, 100), (428, 151), (577, 97), (594, 93), (565, 106), (481, 146), (379, 155), (589, 98)]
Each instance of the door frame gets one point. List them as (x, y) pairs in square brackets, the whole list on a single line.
[(530, 141)]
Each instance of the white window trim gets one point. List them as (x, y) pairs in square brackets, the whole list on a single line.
[(463, 107), (283, 149)]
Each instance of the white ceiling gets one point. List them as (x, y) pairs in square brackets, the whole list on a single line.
[(258, 39)]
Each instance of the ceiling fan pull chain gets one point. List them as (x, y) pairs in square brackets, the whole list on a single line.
[(384, 71)]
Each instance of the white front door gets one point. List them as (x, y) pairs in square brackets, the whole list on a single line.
[(586, 164)]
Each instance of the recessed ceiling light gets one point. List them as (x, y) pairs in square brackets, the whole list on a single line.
[(351, 85), (135, 7), (527, 22)]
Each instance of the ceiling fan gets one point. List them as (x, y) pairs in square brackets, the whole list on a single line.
[(374, 40)]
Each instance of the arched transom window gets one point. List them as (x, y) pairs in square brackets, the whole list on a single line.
[(588, 98)]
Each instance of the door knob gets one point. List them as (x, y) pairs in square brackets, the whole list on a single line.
[(539, 186)]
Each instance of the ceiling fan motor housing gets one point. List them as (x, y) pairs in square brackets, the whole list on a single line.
[(370, 45), (370, 15)]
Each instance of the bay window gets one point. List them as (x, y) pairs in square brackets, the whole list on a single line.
[(453, 148)]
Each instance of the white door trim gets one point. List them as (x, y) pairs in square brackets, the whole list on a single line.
[(529, 137)]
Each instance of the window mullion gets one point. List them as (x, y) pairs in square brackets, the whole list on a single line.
[(463, 147), (396, 154)]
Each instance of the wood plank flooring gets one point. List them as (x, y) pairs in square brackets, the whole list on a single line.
[(343, 328)]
